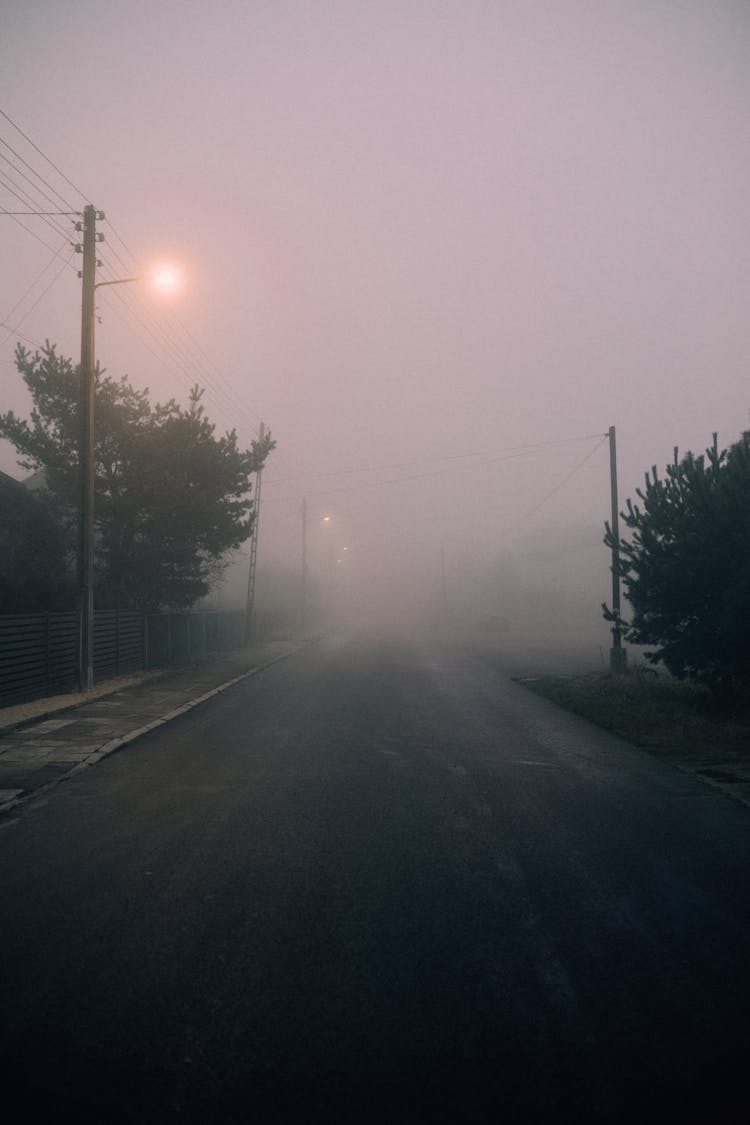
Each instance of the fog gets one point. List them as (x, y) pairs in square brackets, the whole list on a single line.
[(439, 248)]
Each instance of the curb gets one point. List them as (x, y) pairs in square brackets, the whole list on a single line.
[(114, 744)]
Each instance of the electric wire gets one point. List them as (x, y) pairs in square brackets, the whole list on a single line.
[(222, 386), (217, 371), (37, 189), (190, 347), (38, 175), (26, 340), (26, 293), (179, 354), (22, 194), (51, 163), (428, 460), (170, 353), (424, 476), (34, 234), (32, 307), (568, 476), (176, 349)]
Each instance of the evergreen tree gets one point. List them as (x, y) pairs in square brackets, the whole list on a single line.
[(36, 568), (686, 566), (171, 498)]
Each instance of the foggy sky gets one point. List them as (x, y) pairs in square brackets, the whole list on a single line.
[(410, 230)]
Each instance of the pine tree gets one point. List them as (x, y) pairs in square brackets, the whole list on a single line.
[(686, 566), (171, 497)]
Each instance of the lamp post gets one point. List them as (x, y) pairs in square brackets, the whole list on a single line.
[(86, 539), (303, 576)]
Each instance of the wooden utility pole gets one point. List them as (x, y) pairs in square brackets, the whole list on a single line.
[(86, 449), (250, 601), (303, 576), (617, 655)]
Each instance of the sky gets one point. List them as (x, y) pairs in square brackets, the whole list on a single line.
[(449, 243)]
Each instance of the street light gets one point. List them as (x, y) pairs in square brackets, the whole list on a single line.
[(89, 285), (303, 576)]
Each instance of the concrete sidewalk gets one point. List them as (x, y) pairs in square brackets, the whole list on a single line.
[(45, 741)]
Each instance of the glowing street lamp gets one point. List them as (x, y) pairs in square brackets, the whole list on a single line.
[(166, 278)]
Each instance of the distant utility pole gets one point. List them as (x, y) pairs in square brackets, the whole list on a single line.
[(250, 602), (617, 656), (303, 576), (86, 447)]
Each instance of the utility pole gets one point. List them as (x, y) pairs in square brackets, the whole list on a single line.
[(617, 656), (303, 577), (250, 603), (86, 447)]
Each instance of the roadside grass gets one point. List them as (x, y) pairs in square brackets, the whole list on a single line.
[(652, 709)]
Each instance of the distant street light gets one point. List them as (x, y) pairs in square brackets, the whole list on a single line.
[(303, 577)]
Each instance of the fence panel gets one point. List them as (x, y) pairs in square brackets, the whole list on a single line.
[(118, 643), (131, 652), (38, 656), (39, 652), (62, 666)]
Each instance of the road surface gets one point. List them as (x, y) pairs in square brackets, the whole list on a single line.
[(379, 881)]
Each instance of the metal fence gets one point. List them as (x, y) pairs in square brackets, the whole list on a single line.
[(39, 652)]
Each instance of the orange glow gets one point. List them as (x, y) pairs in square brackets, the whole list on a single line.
[(167, 279)]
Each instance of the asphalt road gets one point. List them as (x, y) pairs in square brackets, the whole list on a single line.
[(377, 882)]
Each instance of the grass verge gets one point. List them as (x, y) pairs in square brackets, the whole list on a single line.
[(653, 710)]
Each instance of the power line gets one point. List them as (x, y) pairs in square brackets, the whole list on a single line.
[(226, 389), (192, 347), (182, 354), (35, 173), (45, 157), (35, 282), (171, 352), (419, 476), (35, 186), (181, 350), (15, 332), (22, 195), (34, 234), (494, 454), (568, 476), (217, 371), (36, 302)]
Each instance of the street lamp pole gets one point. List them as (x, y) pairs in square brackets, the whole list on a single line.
[(303, 576), (86, 451), (86, 461)]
